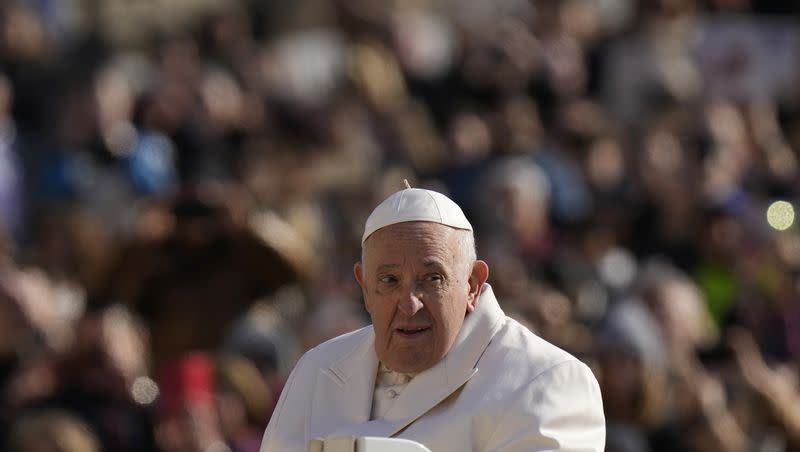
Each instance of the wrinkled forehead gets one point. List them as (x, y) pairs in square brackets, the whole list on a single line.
[(411, 238)]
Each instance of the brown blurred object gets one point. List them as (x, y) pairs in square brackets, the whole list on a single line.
[(5, 246), (551, 314), (244, 402), (776, 387), (701, 397), (110, 352), (199, 262), (23, 36), (52, 431), (72, 244)]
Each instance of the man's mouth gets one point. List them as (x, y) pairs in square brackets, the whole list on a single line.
[(411, 332)]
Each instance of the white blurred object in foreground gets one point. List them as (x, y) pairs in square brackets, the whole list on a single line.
[(365, 444)]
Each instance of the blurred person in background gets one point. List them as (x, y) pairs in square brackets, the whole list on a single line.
[(633, 367), (244, 401), (200, 249), (187, 417), (96, 377), (208, 402)]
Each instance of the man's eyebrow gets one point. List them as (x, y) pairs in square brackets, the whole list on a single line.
[(433, 263)]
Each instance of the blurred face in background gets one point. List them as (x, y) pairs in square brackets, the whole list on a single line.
[(419, 281), (110, 353)]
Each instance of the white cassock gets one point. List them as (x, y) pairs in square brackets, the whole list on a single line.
[(500, 388)]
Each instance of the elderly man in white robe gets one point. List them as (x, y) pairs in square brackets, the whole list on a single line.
[(441, 363)]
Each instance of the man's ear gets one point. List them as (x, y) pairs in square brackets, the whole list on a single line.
[(479, 275), (358, 270)]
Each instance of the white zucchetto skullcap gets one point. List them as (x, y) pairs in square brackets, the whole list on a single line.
[(415, 204)]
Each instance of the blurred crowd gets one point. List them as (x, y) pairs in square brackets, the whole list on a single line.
[(183, 186)]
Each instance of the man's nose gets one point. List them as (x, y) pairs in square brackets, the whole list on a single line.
[(411, 303)]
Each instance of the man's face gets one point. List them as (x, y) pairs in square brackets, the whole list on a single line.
[(418, 286)]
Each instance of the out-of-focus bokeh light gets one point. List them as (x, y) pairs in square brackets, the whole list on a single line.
[(144, 391), (618, 268), (780, 215)]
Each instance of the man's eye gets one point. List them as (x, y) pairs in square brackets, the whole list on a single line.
[(388, 279), (435, 278)]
